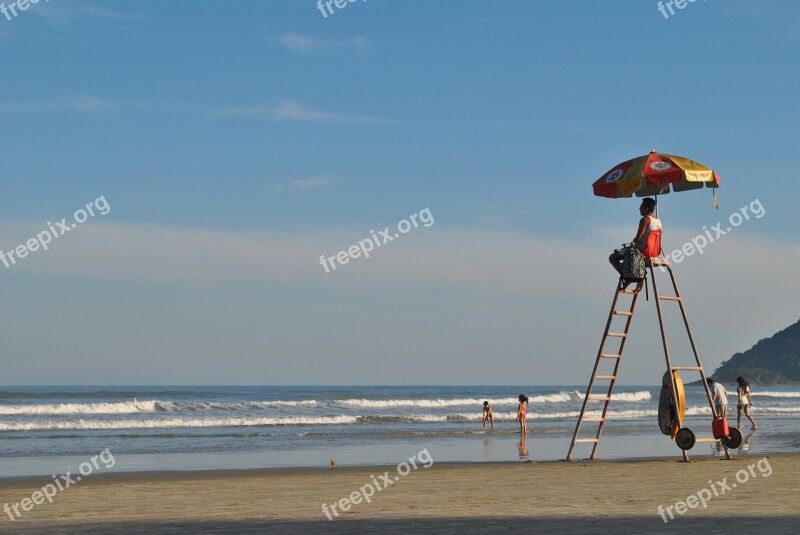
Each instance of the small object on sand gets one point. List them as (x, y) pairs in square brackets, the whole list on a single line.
[(333, 464)]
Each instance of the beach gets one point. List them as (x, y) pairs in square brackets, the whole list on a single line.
[(566, 497), (256, 460)]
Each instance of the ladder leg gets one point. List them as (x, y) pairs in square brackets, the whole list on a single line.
[(614, 380), (696, 354), (664, 338), (600, 356), (691, 341)]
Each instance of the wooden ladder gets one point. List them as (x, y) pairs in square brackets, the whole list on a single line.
[(602, 356)]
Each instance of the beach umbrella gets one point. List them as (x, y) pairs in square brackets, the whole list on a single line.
[(655, 174)]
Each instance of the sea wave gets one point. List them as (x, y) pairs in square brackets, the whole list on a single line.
[(168, 422), (121, 407), (78, 394), (135, 406), (557, 397), (776, 394), (161, 423), (421, 403)]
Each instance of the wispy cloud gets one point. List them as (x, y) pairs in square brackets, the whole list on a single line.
[(60, 15), (303, 44), (289, 109), (105, 12), (304, 184), (84, 103), (94, 103)]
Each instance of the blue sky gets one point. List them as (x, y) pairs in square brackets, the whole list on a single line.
[(237, 142)]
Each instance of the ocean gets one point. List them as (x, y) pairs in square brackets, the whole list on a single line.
[(49, 430)]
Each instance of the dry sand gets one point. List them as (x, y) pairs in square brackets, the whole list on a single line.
[(560, 497)]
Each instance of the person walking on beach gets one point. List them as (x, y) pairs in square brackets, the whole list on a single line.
[(719, 397), (488, 414), (522, 414), (647, 223), (745, 402)]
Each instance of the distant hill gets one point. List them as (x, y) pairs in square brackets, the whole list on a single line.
[(772, 361)]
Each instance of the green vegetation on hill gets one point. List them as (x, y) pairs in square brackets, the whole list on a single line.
[(774, 360)]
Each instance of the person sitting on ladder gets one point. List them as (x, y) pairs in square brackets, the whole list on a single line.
[(648, 223)]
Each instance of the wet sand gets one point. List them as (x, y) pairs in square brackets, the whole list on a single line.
[(577, 497)]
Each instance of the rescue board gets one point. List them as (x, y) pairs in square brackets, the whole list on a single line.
[(667, 417)]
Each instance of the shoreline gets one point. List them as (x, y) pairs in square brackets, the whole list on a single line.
[(462, 448), (172, 475)]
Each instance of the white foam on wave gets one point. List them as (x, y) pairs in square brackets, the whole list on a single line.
[(644, 395), (776, 394), (422, 403), (176, 406), (162, 423), (172, 422), (135, 406), (118, 407), (558, 397)]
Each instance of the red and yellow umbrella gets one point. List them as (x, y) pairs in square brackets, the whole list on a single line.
[(654, 174)]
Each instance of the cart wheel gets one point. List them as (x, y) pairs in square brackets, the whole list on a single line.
[(685, 439), (734, 440)]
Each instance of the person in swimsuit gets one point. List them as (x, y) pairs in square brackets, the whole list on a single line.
[(488, 414), (648, 223), (745, 402), (522, 413)]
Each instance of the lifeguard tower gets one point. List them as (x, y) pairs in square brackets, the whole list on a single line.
[(647, 175)]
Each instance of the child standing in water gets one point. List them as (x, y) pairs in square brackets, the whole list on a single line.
[(522, 413), (488, 414)]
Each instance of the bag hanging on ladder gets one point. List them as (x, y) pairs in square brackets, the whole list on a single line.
[(633, 266)]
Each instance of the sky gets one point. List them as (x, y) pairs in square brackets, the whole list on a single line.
[(223, 148)]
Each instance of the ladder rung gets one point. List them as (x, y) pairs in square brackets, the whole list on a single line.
[(669, 297), (627, 292), (593, 419), (598, 398), (610, 377), (609, 356), (585, 440), (619, 335), (688, 368), (623, 313)]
